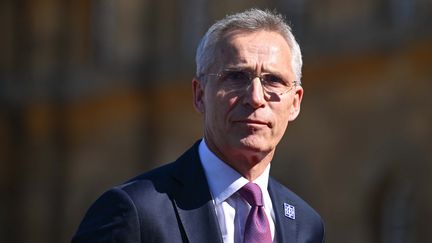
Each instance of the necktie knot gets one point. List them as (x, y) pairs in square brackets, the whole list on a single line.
[(251, 192)]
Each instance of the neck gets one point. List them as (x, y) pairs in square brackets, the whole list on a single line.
[(250, 164)]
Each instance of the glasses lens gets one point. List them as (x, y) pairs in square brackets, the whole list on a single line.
[(238, 80), (274, 83), (234, 80), (234, 75)]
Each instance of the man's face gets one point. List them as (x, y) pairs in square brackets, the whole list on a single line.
[(247, 124)]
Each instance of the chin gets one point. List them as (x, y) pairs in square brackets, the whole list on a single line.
[(253, 144)]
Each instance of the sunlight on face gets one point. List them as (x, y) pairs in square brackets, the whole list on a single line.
[(248, 124)]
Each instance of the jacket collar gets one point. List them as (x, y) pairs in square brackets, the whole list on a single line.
[(193, 200)]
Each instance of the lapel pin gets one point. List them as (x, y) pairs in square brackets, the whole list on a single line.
[(289, 211)]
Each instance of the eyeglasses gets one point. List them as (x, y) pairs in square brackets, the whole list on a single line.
[(240, 80)]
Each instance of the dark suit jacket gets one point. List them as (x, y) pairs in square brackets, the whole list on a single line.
[(173, 204)]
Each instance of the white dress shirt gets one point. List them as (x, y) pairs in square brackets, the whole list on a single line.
[(231, 209)]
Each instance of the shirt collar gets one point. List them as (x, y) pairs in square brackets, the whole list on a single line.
[(224, 180)]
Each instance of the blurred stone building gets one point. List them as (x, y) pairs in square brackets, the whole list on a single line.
[(95, 92)]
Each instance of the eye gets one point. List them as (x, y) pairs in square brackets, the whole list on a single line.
[(272, 79), (236, 75)]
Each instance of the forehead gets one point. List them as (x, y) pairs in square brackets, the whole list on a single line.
[(260, 48)]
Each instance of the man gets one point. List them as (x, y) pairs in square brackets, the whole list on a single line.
[(247, 88)]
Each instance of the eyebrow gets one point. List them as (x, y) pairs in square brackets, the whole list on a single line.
[(238, 67), (250, 69)]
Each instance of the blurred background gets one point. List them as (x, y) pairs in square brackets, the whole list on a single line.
[(94, 92)]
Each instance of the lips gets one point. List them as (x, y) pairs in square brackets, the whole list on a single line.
[(253, 122)]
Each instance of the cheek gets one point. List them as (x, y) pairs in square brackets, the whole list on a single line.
[(231, 103), (217, 107), (224, 103), (281, 117)]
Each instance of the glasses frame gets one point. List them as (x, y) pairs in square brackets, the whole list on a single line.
[(252, 76)]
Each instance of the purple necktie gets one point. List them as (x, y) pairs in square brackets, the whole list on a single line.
[(257, 228)]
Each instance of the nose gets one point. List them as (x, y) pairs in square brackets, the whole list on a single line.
[(255, 95)]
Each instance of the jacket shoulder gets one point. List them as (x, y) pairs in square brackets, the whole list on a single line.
[(131, 211)]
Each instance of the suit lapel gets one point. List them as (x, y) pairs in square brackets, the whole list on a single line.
[(193, 201), (286, 228), (195, 208)]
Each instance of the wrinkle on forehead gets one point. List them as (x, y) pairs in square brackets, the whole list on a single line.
[(255, 54)]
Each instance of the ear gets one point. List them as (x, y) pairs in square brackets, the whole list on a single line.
[(198, 95), (295, 106)]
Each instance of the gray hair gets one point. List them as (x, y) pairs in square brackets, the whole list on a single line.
[(251, 20)]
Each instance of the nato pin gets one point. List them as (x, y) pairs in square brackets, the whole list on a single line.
[(289, 211)]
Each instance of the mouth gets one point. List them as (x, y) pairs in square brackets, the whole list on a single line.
[(254, 123)]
